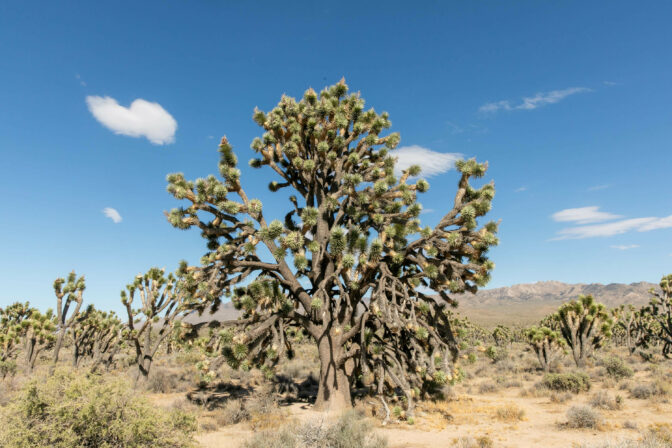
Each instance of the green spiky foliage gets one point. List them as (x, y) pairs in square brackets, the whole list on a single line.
[(161, 299), (661, 310), (68, 293), (39, 335), (349, 263), (97, 336), (635, 327), (12, 328), (501, 335), (547, 344), (585, 325)]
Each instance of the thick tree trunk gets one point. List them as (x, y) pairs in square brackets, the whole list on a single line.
[(334, 388), (59, 344)]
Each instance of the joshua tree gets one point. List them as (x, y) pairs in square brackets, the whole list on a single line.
[(546, 343), (350, 263), (67, 293), (12, 328), (661, 310), (39, 334), (97, 335), (502, 335), (161, 301), (636, 325), (584, 324)]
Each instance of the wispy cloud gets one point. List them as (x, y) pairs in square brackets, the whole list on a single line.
[(533, 102), (583, 215), (520, 189), (625, 247), (615, 228), (81, 81), (113, 214), (599, 187), (431, 162), (141, 119), (611, 83)]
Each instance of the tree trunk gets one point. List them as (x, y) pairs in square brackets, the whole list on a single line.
[(334, 388), (59, 344)]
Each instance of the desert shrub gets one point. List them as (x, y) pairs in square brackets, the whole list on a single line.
[(629, 424), (583, 417), (69, 410), (472, 358), (509, 413), (487, 388), (642, 391), (263, 409), (351, 430), (602, 400), (567, 382), (162, 381), (616, 368), (470, 442), (496, 354), (561, 397), (233, 412), (7, 368)]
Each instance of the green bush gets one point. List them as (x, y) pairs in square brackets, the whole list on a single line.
[(496, 354), (616, 368), (7, 368), (583, 417), (69, 410), (567, 382)]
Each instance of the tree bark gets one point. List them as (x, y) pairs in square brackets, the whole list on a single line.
[(334, 384)]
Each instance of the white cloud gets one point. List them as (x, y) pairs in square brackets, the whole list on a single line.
[(599, 187), (520, 189), (431, 162), (141, 119), (583, 215), (615, 228), (533, 102), (112, 214), (625, 247)]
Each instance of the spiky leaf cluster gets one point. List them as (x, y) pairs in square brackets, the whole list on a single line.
[(660, 308), (546, 343), (13, 328)]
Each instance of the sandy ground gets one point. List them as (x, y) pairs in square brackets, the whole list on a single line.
[(474, 416)]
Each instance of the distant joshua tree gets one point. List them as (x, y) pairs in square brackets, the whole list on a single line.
[(161, 300), (350, 263), (585, 324), (661, 310), (96, 335), (13, 328), (67, 294), (546, 343)]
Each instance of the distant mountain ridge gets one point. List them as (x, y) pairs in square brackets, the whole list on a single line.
[(613, 294), (523, 303)]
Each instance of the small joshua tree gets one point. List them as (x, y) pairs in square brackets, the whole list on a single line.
[(161, 301), (585, 324), (546, 343), (661, 310), (350, 263), (67, 293), (96, 335), (12, 328), (38, 335)]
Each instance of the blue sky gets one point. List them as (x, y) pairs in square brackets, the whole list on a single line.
[(568, 101)]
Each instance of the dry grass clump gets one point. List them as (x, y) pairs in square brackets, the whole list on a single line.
[(470, 442), (509, 413), (583, 417), (350, 431), (561, 397), (657, 436), (603, 400), (234, 411), (164, 381), (567, 382)]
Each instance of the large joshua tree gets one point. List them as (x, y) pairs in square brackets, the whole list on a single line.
[(67, 293), (585, 324), (349, 263)]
